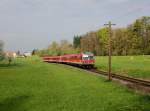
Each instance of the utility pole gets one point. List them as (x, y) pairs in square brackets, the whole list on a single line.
[(110, 49)]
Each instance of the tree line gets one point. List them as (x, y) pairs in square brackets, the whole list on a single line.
[(131, 40), (56, 49)]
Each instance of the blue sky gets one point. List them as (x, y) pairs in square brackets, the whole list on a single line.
[(29, 24)]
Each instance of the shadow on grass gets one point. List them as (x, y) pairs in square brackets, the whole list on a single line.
[(145, 98), (10, 65), (14, 103), (107, 80)]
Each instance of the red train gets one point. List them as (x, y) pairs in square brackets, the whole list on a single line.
[(85, 60)]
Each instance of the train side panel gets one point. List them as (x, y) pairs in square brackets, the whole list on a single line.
[(72, 58), (51, 58)]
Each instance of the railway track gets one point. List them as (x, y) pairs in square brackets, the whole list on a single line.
[(123, 78), (135, 81)]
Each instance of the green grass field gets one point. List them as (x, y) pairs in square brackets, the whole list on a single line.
[(135, 66), (31, 85)]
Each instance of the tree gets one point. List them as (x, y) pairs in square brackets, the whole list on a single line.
[(35, 52), (66, 47), (18, 53), (103, 41), (1, 50), (140, 28), (76, 41), (54, 49), (90, 43)]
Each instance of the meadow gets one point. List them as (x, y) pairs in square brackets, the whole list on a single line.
[(30, 85), (134, 66)]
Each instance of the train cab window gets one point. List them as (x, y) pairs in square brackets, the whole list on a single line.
[(85, 58), (91, 57), (88, 58)]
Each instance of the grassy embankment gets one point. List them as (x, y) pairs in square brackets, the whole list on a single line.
[(31, 85), (135, 66)]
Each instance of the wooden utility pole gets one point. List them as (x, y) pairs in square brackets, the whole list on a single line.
[(110, 49)]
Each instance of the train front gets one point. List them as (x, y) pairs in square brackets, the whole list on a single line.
[(88, 60)]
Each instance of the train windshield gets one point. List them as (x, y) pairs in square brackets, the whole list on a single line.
[(88, 58), (91, 57)]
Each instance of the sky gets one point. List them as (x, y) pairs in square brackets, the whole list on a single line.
[(33, 24)]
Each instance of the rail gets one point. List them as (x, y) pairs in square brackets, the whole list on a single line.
[(122, 77)]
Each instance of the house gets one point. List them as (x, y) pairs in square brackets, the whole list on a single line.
[(10, 54)]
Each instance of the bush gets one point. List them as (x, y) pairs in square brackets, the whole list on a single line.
[(2, 56)]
